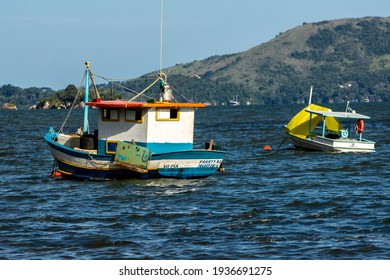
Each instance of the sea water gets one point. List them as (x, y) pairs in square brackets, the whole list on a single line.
[(278, 204)]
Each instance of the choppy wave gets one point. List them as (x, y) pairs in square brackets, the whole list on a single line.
[(279, 204)]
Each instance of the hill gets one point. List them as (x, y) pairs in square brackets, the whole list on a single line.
[(346, 59)]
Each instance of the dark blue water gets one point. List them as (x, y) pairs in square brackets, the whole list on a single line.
[(279, 204)]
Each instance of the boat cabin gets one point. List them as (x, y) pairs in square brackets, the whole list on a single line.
[(160, 126), (331, 118)]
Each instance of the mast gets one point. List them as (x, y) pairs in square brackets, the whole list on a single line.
[(161, 34), (86, 95)]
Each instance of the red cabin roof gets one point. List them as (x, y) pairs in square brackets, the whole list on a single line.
[(133, 104)]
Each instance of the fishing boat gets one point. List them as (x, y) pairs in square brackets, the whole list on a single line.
[(134, 139), (319, 128)]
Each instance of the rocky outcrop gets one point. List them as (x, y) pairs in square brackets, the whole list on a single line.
[(49, 104), (9, 106)]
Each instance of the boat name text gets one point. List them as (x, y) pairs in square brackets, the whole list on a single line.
[(210, 163)]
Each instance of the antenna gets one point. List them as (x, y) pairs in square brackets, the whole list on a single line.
[(311, 93), (161, 33)]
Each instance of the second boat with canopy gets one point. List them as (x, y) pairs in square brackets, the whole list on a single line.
[(319, 128)]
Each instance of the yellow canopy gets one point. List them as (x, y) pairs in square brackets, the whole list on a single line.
[(299, 124)]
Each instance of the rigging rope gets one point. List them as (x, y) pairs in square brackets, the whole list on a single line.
[(94, 85), (139, 94), (161, 75), (189, 100), (113, 81), (74, 102)]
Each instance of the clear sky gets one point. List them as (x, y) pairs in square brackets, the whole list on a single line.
[(46, 42)]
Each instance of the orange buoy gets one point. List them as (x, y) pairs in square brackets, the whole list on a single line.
[(267, 148), (56, 174), (359, 126)]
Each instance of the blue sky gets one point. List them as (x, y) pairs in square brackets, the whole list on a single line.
[(46, 42)]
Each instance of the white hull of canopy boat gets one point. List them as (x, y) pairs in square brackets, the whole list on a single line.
[(319, 143)]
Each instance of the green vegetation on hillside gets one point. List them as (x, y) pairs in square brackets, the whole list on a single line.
[(345, 60), (23, 97)]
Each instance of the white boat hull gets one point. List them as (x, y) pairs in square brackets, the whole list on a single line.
[(320, 143)]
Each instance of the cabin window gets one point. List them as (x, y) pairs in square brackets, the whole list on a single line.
[(134, 115), (110, 114), (173, 114), (111, 146), (167, 114)]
